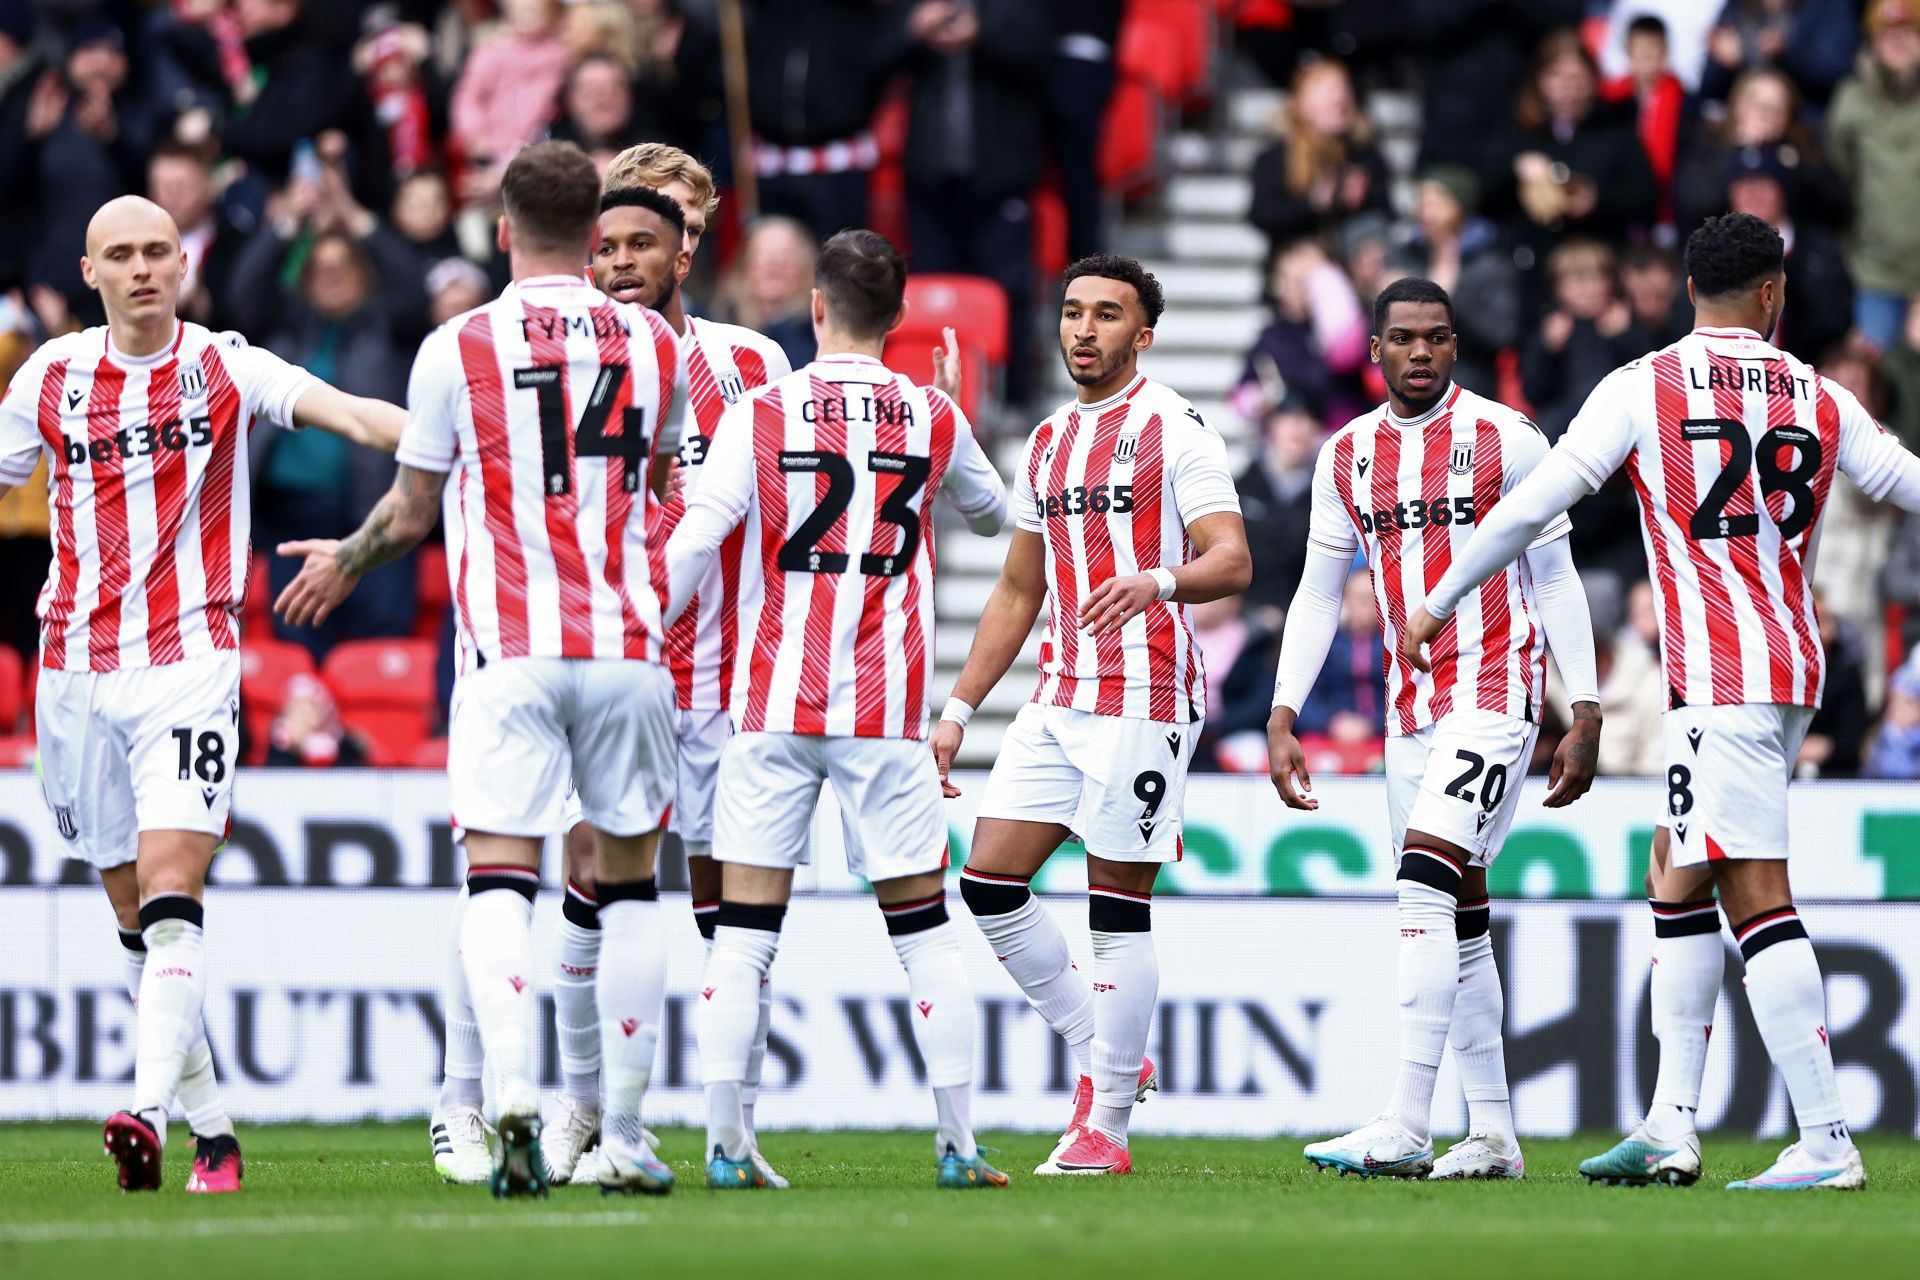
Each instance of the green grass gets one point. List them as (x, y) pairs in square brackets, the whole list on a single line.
[(359, 1202)]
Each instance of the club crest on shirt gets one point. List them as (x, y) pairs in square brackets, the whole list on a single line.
[(732, 387), (1123, 449), (193, 382), (1462, 463)]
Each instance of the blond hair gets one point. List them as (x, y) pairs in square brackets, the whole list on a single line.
[(655, 164)]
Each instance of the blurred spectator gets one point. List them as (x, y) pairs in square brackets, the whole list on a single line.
[(1322, 166), (1467, 53), (180, 180), (1686, 23), (506, 94), (1655, 293), (1632, 686), (602, 29), (1314, 344), (393, 60), (1839, 728), (21, 68), (308, 733), (1365, 242), (1649, 83), (1276, 500), (815, 73), (1221, 633), (1463, 253), (597, 109), (679, 92), (1900, 369), (1811, 40), (1079, 81), (423, 214), (24, 547), (1349, 700), (1589, 333), (1763, 111), (1894, 751), (454, 287), (974, 150), (772, 286), (1575, 166), (1876, 143), (1855, 531), (1819, 308)]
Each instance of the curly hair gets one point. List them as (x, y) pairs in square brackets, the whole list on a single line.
[(1112, 266), (1732, 252)]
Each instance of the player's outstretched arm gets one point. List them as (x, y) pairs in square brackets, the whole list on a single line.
[(373, 423), (397, 524), (946, 365), (1005, 625), (717, 506), (1569, 627), (1224, 567), (1312, 619)]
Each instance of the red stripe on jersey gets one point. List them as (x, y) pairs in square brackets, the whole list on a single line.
[(816, 657), (562, 510), (1386, 496), (1111, 697), (1149, 464), (169, 507), (770, 484), (1673, 640), (1036, 451), (1683, 498), (753, 373), (487, 397), (945, 437), (1343, 480), (1781, 411), (703, 395), (1496, 618), (1066, 580), (224, 595), (614, 350), (109, 516), (460, 578), (1436, 553), (869, 636), (66, 570), (1744, 552)]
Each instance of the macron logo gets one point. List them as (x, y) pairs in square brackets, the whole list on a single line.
[(628, 1026), (518, 983), (926, 1008), (706, 993)]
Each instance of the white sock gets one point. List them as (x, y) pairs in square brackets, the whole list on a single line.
[(576, 1011), (757, 1058), (943, 1014), (632, 993), (1429, 956), (462, 1060), (173, 989), (1126, 982), (1474, 1033), (1688, 964), (199, 1093), (729, 1011), (1028, 941), (496, 950), (1790, 1007)]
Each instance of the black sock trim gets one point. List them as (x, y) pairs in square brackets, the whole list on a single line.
[(482, 882), (132, 941), (647, 890), (171, 906), (1684, 919), (704, 915), (580, 908), (915, 917), (1111, 910), (991, 895), (1429, 867), (765, 916), (1757, 933), (1473, 920)]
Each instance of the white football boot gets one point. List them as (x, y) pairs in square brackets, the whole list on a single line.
[(1380, 1148), (1798, 1170), (571, 1127), (767, 1171), (1479, 1155), (631, 1171), (597, 1166), (460, 1152)]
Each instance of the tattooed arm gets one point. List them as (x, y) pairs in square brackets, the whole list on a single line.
[(395, 526)]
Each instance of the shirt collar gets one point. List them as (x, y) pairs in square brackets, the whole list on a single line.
[(149, 361), (1125, 393), (1443, 405)]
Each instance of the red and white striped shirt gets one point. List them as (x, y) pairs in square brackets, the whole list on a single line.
[(831, 471), (147, 472), (724, 363), (1112, 488), (1731, 445), (1409, 492), (547, 405)]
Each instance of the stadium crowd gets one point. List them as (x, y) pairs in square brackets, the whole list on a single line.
[(335, 167)]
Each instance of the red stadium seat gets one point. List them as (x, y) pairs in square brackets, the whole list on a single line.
[(1128, 136), (431, 754), (17, 752), (386, 693), (31, 688), (265, 668), (1049, 230), (13, 694), (433, 591), (1165, 43), (977, 309)]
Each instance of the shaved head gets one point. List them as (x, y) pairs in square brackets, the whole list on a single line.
[(135, 261), (131, 218)]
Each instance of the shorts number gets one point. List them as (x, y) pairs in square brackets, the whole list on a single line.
[(1679, 790), (1710, 521), (1150, 788), (205, 757), (1492, 791), (591, 439)]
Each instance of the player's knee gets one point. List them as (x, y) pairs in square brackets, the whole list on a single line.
[(1111, 910), (993, 895)]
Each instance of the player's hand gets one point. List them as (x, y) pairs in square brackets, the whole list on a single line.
[(1287, 762), (946, 364), (1420, 631), (945, 741), (1576, 759), (676, 483), (1115, 602), (320, 585)]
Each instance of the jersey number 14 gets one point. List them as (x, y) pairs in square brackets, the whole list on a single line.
[(590, 439)]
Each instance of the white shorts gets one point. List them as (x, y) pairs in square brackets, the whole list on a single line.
[(1727, 775), (1118, 783), (521, 726), (1459, 780), (701, 734), (143, 749), (891, 811)]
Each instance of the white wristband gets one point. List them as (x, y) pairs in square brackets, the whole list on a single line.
[(957, 711), (1165, 578)]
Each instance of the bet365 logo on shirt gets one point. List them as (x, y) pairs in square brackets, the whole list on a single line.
[(143, 441), (1416, 513)]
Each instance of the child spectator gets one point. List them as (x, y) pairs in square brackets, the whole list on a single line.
[(1650, 279), (1315, 342), (1589, 333), (506, 94), (1652, 86)]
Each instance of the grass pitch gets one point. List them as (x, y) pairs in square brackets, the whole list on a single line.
[(357, 1202)]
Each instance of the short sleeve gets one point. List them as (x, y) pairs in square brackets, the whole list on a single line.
[(1202, 481), (1526, 449), (1329, 527), (1026, 510), (433, 403), (20, 443), (269, 386), (1602, 433), (1870, 456)]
